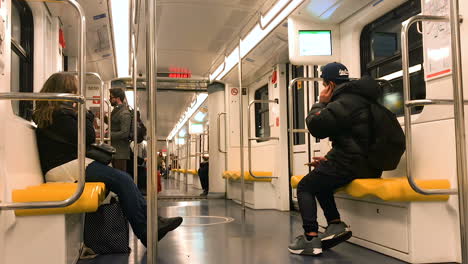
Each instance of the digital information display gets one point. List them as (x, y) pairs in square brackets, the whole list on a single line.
[(315, 43)]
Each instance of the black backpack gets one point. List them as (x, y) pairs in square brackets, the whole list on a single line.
[(389, 145), (141, 129)]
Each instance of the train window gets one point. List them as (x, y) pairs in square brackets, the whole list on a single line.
[(22, 37), (262, 114), (298, 98), (381, 56)]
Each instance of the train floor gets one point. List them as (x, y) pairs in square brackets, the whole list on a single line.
[(217, 231)]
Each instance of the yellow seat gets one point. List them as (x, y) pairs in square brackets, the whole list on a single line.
[(227, 174), (295, 180), (92, 196), (236, 175), (390, 189), (194, 172)]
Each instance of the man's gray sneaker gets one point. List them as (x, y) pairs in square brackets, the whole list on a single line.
[(334, 235), (334, 230), (302, 246)]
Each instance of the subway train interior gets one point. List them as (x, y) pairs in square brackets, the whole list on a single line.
[(224, 88)]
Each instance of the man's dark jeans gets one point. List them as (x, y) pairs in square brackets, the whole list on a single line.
[(132, 202), (321, 184)]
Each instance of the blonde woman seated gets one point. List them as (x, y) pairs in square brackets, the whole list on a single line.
[(59, 159)]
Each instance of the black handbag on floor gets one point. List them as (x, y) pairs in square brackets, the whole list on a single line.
[(106, 231)]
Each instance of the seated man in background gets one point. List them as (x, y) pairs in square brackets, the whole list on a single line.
[(203, 175), (343, 115)]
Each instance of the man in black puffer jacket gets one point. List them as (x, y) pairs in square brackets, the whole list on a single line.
[(343, 115)]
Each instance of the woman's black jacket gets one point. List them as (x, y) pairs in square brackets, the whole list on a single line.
[(53, 153)]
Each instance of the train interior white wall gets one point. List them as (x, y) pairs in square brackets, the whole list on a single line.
[(20, 165), (266, 156)]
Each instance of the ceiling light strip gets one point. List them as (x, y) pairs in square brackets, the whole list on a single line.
[(121, 30), (276, 9), (201, 98), (282, 9)]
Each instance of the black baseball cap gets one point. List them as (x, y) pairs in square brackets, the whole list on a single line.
[(335, 72)]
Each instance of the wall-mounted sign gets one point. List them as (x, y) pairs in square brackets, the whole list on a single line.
[(437, 41), (234, 91), (96, 100)]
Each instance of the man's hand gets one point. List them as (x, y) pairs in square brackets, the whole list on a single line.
[(316, 162), (326, 94)]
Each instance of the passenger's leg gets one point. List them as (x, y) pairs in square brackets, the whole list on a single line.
[(327, 202), (132, 202), (320, 183), (307, 189), (204, 183), (207, 182)]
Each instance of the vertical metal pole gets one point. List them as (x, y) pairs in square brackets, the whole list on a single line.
[(198, 153), (187, 159), (225, 141), (167, 158), (460, 135), (82, 89), (291, 126), (152, 224), (241, 127), (101, 113), (134, 81)]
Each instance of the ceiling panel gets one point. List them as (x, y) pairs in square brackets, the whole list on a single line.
[(330, 11), (176, 33), (98, 38), (171, 105)]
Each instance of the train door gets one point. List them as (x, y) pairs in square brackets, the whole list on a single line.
[(301, 140)]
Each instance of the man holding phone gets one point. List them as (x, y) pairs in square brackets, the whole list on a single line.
[(343, 115)]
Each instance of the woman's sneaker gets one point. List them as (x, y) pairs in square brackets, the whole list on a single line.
[(302, 246), (335, 234)]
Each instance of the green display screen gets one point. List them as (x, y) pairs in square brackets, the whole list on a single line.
[(315, 43)]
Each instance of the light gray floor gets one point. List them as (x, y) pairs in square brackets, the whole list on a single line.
[(261, 237), (171, 187)]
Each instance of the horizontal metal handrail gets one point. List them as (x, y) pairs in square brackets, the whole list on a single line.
[(219, 131), (410, 103), (422, 102), (43, 97), (80, 99), (299, 130), (291, 118), (263, 138), (249, 137)]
